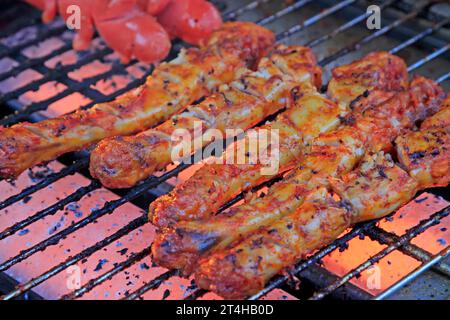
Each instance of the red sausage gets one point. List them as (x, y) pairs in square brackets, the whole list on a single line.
[(191, 20), (83, 36), (130, 31)]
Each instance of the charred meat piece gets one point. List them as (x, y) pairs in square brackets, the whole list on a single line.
[(121, 162), (376, 71), (170, 89), (375, 122), (213, 185), (374, 189), (426, 153)]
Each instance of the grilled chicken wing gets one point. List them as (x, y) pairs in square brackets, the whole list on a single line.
[(181, 247), (121, 162), (376, 117), (170, 88), (426, 153), (376, 188), (213, 185)]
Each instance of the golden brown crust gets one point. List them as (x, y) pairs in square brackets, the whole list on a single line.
[(122, 162), (377, 118), (245, 268), (170, 88), (426, 153), (376, 188)]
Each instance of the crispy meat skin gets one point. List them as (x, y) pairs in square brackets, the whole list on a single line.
[(170, 88), (376, 188), (181, 247), (214, 185), (441, 119), (426, 153), (121, 162), (245, 268), (374, 123), (377, 70)]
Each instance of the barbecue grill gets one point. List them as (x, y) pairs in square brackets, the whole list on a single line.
[(59, 227)]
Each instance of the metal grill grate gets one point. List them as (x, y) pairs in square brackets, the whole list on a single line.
[(346, 16)]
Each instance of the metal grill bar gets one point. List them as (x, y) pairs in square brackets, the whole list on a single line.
[(58, 73), (21, 23), (52, 75), (410, 234), (96, 214), (75, 196), (133, 259), (443, 78), (83, 86), (235, 13), (10, 13), (152, 285), (410, 42), (439, 257), (281, 279), (34, 62)]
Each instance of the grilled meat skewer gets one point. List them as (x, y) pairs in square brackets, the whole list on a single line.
[(213, 185), (170, 89), (375, 122), (376, 188), (310, 115), (121, 162)]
